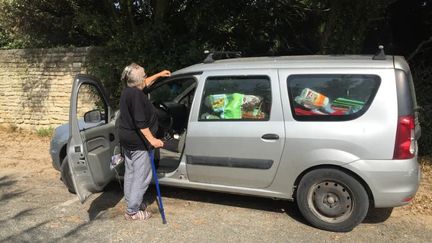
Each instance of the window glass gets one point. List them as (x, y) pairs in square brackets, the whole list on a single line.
[(236, 98), (170, 90), (91, 109), (331, 97)]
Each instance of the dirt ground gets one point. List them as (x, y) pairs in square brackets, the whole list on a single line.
[(36, 207)]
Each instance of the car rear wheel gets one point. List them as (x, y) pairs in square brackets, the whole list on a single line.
[(332, 200), (66, 175)]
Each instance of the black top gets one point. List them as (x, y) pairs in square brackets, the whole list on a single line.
[(136, 112)]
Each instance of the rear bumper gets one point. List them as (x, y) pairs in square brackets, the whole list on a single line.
[(392, 182)]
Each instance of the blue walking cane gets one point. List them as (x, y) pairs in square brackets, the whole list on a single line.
[(160, 204)]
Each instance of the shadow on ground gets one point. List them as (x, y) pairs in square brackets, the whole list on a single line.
[(113, 194), (18, 216), (6, 181), (109, 198), (7, 192), (68, 235), (374, 215), (27, 235), (256, 203)]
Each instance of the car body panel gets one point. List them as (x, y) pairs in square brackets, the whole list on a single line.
[(391, 182)]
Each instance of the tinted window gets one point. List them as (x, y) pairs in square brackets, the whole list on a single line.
[(236, 98), (331, 97)]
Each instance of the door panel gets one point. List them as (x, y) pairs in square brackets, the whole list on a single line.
[(99, 152), (225, 148), (91, 146)]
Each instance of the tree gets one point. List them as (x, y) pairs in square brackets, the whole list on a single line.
[(345, 24), (171, 34)]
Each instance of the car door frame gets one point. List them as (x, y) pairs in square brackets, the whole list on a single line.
[(198, 173), (81, 173)]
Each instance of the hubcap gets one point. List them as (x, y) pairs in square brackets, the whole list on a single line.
[(330, 201)]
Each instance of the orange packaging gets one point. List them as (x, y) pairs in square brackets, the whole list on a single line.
[(312, 98)]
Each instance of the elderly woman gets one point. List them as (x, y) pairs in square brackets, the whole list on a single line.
[(138, 124)]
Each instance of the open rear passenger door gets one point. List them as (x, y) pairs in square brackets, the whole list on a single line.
[(90, 146)]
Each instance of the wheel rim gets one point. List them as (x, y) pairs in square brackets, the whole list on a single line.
[(331, 201)]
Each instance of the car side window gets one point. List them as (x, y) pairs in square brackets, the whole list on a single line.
[(331, 97), (241, 98), (91, 109)]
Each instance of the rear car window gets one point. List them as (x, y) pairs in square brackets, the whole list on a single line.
[(412, 90), (331, 97), (241, 98)]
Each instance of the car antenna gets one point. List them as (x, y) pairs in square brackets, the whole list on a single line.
[(380, 54), (210, 59)]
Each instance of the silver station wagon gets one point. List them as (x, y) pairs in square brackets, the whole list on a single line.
[(336, 134)]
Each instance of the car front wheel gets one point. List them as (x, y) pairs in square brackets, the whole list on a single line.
[(332, 200), (66, 175)]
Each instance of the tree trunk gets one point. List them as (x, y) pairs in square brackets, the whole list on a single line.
[(329, 27), (419, 48), (160, 8), (126, 9)]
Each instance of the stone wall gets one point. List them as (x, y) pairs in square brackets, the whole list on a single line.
[(35, 85)]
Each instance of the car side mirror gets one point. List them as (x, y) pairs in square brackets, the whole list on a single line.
[(93, 116)]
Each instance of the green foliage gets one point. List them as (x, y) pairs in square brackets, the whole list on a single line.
[(425, 142), (158, 42), (4, 39), (167, 34), (344, 27), (422, 75), (45, 132)]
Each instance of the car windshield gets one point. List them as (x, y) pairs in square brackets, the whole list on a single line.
[(171, 90)]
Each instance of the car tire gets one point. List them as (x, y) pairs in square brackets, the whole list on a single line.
[(378, 215), (66, 175), (330, 199)]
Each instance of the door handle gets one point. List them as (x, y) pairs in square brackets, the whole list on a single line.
[(270, 136), (111, 137)]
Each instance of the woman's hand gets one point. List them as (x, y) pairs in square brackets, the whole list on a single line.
[(156, 143), (164, 73)]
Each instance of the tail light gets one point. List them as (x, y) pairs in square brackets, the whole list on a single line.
[(405, 141)]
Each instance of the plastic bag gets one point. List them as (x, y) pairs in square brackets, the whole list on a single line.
[(235, 106)]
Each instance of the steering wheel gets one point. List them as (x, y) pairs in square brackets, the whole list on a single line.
[(165, 120)]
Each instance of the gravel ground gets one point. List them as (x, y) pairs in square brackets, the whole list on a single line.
[(36, 207)]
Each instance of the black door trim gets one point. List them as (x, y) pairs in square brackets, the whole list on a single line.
[(261, 164)]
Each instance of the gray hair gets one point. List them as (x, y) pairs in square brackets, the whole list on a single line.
[(130, 76)]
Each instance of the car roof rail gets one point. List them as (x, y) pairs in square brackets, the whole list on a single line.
[(220, 54), (380, 54)]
